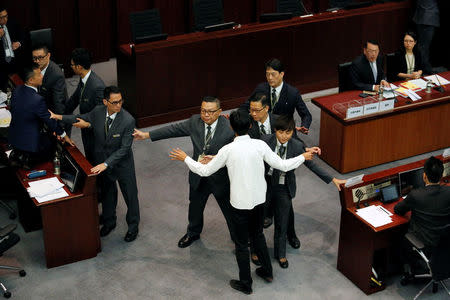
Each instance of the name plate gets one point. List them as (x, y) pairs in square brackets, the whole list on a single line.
[(354, 112), (371, 108), (387, 105)]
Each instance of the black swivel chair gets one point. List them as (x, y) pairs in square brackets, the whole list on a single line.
[(391, 72), (295, 7), (436, 259), (44, 37), (207, 13), (345, 83), (145, 24), (7, 240)]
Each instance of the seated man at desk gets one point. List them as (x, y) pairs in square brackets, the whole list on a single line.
[(366, 71), (429, 206), (31, 143)]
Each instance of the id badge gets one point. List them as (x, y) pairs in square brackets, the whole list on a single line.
[(200, 157)]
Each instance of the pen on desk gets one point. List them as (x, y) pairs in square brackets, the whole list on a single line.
[(385, 210)]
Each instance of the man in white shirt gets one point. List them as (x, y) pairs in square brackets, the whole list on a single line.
[(244, 159)]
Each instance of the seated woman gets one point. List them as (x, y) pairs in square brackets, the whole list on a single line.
[(408, 61)]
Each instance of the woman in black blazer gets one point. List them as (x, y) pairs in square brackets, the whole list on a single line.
[(408, 61)]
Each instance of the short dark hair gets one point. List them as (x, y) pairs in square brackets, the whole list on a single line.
[(28, 72), (411, 34), (82, 57), (433, 168), (211, 99), (110, 90), (240, 121), (260, 97), (374, 42), (40, 47), (2, 7), (275, 64), (284, 122)]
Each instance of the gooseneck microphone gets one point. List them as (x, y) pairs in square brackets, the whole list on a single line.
[(439, 88)]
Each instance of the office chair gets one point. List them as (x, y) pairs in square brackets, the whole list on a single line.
[(295, 7), (206, 13), (44, 37), (4, 194), (339, 3), (344, 77), (7, 240), (438, 263), (391, 75), (145, 23)]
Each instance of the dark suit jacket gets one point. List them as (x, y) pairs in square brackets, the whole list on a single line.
[(114, 149), (28, 114), (427, 13), (289, 100), (53, 89), (430, 208), (92, 95), (15, 34), (361, 74), (295, 147), (194, 127), (254, 131), (401, 66)]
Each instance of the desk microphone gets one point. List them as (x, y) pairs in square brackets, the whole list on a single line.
[(393, 93), (304, 8), (439, 88)]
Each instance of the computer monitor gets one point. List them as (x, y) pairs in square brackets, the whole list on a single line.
[(411, 179), (150, 38), (70, 172), (220, 26), (389, 193), (272, 17)]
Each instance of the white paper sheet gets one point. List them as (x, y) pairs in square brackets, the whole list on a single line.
[(375, 215), (434, 78), (47, 189)]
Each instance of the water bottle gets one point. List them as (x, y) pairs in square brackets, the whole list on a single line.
[(429, 86), (57, 164)]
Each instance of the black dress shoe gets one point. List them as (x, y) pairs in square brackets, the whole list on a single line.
[(130, 236), (187, 240), (284, 264), (267, 222), (261, 273), (105, 230), (241, 287), (255, 259), (294, 242)]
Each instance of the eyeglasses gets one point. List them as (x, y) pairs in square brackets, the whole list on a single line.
[(38, 58), (208, 112), (116, 102), (4, 17), (408, 41), (255, 110)]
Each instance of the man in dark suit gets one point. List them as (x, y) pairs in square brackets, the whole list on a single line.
[(367, 70), (53, 87), (430, 209), (262, 120), (89, 94), (209, 132), (427, 19), (284, 98), (281, 187), (11, 44), (112, 128), (30, 143)]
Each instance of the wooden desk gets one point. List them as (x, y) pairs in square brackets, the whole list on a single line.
[(164, 81), (359, 241), (70, 224), (410, 129)]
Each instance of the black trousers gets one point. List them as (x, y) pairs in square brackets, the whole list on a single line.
[(248, 224), (197, 202), (129, 191), (282, 203), (425, 35)]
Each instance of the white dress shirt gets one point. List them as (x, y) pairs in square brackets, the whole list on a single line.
[(244, 159), (213, 128), (266, 125), (86, 77), (282, 174)]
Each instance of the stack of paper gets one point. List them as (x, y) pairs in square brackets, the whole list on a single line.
[(410, 86), (375, 215), (5, 117), (437, 80), (46, 189)]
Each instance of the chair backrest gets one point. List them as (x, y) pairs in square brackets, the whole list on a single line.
[(8, 238), (145, 23), (440, 258), (42, 37), (344, 77), (206, 13), (293, 6), (390, 67), (339, 3)]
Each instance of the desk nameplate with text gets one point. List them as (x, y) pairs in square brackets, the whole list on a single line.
[(354, 112), (371, 108), (387, 105)]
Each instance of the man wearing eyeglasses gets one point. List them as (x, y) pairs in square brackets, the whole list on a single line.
[(53, 87), (11, 40), (112, 128), (209, 132)]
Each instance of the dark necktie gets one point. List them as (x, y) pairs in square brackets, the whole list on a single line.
[(81, 88), (274, 98), (263, 129), (281, 151), (107, 124)]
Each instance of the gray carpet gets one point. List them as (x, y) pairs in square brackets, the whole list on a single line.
[(153, 267)]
